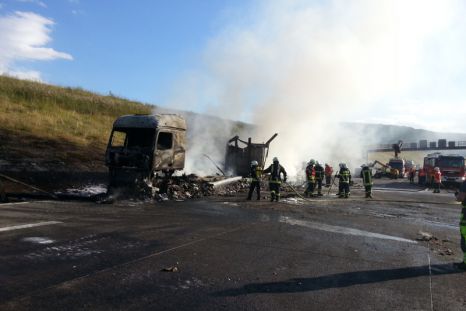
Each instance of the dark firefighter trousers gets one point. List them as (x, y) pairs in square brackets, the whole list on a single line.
[(319, 185), (343, 189), (255, 184), (368, 189), (274, 190), (328, 180), (463, 232), (311, 185)]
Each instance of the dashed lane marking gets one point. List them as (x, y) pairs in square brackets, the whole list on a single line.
[(26, 226)]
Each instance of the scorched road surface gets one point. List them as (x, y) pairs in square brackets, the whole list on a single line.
[(228, 254)]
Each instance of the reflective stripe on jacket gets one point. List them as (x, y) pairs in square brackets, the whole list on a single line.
[(256, 173), (345, 176), (367, 177)]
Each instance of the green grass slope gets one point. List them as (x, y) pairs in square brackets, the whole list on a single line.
[(49, 127)]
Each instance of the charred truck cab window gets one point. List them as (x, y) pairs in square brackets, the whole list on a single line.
[(165, 141), (133, 138), (118, 139)]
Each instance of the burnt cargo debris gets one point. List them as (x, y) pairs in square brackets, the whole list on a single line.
[(140, 146), (238, 159)]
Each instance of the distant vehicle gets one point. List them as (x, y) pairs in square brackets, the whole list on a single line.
[(384, 170), (140, 146), (398, 164), (451, 167)]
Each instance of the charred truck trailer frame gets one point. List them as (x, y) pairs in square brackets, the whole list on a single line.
[(140, 146), (238, 159)]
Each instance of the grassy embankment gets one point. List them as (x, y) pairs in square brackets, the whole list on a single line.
[(56, 127)]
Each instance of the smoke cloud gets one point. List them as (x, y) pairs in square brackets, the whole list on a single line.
[(300, 68)]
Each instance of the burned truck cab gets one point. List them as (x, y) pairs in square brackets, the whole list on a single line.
[(142, 145)]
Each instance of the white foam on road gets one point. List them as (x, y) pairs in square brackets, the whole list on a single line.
[(342, 230), (25, 226)]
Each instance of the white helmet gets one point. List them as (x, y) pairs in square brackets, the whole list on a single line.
[(437, 169), (343, 165), (275, 159), (254, 163)]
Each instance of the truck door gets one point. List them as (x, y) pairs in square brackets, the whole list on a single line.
[(164, 150)]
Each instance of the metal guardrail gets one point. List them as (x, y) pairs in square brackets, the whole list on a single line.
[(440, 145)]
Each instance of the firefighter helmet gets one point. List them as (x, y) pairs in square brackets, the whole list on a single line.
[(437, 169), (275, 159), (254, 163)]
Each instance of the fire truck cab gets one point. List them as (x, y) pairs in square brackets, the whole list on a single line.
[(451, 166)]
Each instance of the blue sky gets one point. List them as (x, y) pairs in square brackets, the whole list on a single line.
[(134, 49), (387, 61)]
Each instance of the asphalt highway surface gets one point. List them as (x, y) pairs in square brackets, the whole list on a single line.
[(393, 252)]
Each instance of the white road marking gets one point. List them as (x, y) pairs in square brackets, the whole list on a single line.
[(38, 224), (342, 230), (37, 240), (13, 203), (430, 281)]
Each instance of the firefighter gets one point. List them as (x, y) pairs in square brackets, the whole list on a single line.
[(255, 173), (310, 179), (328, 175), (437, 180), (412, 174), (344, 176), (421, 176), (276, 171), (461, 197), (366, 174), (319, 178)]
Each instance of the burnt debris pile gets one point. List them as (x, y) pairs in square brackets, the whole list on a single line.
[(193, 186)]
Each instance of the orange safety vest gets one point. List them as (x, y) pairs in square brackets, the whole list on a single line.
[(422, 173), (437, 177)]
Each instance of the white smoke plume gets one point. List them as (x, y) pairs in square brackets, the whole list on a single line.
[(300, 68)]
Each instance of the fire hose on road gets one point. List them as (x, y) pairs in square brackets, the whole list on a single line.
[(3, 195)]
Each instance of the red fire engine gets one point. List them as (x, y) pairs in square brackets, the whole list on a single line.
[(451, 167)]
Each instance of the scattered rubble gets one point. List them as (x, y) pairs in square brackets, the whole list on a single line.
[(424, 236), (436, 245), (170, 269), (192, 186)]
